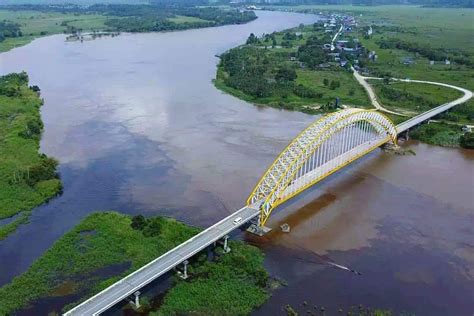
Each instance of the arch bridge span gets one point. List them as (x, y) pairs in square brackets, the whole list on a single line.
[(323, 148)]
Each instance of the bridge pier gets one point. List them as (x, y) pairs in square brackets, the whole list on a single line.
[(256, 229), (136, 302), (184, 274), (225, 244)]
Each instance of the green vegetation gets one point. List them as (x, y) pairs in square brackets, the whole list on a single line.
[(23, 23), (27, 178), (101, 240), (33, 24), (412, 98), (185, 19), (438, 134), (289, 70), (421, 43), (233, 284)]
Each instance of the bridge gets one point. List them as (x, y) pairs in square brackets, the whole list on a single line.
[(326, 146)]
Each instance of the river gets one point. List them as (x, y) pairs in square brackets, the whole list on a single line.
[(139, 127)]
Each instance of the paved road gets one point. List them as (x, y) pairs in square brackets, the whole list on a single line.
[(335, 37), (370, 91), (138, 279), (419, 118), (435, 111)]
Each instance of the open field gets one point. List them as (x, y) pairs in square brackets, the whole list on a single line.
[(412, 98), (36, 21), (186, 19), (349, 92), (34, 24)]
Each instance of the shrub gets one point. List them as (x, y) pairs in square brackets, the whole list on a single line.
[(467, 141), (44, 170), (138, 222)]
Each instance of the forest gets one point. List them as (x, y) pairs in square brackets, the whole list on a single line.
[(9, 29)]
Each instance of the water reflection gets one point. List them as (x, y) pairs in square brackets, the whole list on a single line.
[(139, 128)]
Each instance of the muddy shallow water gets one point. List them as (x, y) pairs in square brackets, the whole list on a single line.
[(139, 128)]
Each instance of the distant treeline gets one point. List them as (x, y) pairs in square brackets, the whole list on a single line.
[(427, 3), (436, 54), (148, 18), (8, 29)]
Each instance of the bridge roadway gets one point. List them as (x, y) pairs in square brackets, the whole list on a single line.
[(138, 279), (435, 111), (149, 272)]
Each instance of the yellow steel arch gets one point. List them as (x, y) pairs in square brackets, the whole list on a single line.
[(364, 130)]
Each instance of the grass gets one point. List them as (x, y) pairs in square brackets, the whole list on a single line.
[(231, 285), (349, 93), (99, 241), (19, 109), (179, 19), (438, 26), (413, 98), (234, 284), (34, 24), (438, 134)]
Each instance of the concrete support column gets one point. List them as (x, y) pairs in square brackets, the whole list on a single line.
[(184, 274), (137, 299), (226, 246)]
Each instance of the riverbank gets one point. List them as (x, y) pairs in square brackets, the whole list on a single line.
[(105, 247), (308, 68), (289, 70), (27, 178), (23, 23)]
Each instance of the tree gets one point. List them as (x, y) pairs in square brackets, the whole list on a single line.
[(252, 39), (138, 222), (35, 88), (334, 85), (153, 228), (325, 81), (286, 74)]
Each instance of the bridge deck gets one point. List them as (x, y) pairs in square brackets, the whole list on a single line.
[(138, 279)]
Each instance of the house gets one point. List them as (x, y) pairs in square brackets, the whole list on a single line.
[(408, 61), (343, 63), (372, 55), (467, 129), (324, 65), (327, 46), (293, 58), (369, 31), (447, 62)]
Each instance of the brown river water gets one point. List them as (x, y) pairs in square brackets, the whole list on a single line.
[(139, 127)]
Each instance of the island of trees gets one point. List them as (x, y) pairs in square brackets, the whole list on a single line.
[(27, 178)]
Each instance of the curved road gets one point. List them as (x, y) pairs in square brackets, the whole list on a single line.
[(373, 98)]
